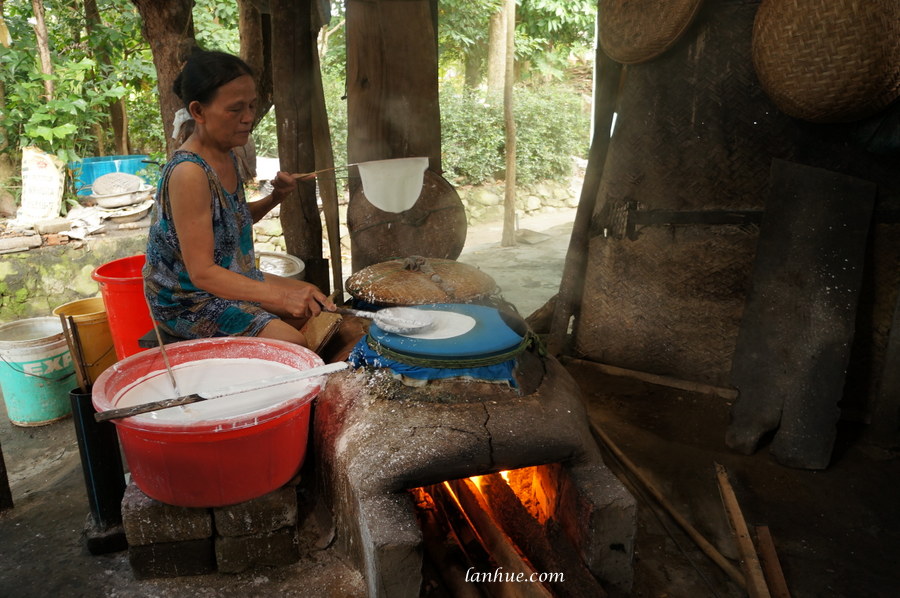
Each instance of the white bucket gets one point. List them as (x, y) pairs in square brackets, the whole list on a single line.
[(281, 264)]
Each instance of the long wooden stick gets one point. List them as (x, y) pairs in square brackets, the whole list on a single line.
[(770, 563), (756, 581), (701, 542), (688, 385)]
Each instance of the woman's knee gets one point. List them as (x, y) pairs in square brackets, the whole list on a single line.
[(281, 330)]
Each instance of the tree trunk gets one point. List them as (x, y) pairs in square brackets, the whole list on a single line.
[(40, 30), (117, 111), (392, 90), (256, 49), (496, 62), (473, 69), (509, 202), (169, 28), (292, 68)]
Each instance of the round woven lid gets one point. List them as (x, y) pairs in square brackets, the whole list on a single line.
[(828, 60), (116, 183), (419, 281), (633, 31)]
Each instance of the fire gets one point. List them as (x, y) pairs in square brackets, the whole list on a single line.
[(531, 486)]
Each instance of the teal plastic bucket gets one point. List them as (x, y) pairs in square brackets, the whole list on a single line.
[(36, 371)]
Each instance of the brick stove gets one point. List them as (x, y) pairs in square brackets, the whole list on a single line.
[(376, 438)]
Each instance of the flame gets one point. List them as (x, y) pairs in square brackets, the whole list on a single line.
[(505, 475)]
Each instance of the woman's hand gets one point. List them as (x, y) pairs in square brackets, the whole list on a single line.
[(282, 185), (300, 299)]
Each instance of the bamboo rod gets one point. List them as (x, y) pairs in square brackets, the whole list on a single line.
[(701, 542), (756, 581)]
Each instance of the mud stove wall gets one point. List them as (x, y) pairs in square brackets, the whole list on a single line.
[(376, 438)]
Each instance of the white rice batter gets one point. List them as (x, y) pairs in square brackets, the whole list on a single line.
[(211, 375), (446, 324)]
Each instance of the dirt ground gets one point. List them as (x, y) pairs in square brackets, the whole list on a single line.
[(837, 532)]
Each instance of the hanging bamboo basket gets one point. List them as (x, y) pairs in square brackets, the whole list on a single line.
[(828, 60), (635, 31)]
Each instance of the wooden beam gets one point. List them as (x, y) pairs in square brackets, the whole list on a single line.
[(756, 581)]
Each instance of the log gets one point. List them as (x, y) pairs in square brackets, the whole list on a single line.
[(495, 540), (482, 561), (770, 563), (442, 548), (545, 546), (756, 581)]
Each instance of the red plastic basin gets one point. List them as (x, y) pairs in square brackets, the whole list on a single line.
[(212, 462)]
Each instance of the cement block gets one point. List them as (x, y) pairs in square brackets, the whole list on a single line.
[(172, 559), (267, 513), (101, 540), (148, 521), (239, 553)]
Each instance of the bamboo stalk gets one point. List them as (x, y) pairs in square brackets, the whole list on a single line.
[(756, 581), (701, 542)]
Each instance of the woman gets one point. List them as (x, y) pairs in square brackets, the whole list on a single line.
[(201, 278)]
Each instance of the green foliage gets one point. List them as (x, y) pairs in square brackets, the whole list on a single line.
[(216, 25), (552, 125), (65, 123), (472, 138)]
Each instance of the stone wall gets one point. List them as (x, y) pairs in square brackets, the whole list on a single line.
[(34, 282)]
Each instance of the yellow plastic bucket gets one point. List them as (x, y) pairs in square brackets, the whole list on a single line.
[(92, 334)]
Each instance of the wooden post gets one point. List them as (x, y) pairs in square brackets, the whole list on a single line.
[(324, 160), (571, 286), (292, 70)]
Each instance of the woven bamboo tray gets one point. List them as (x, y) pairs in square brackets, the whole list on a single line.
[(634, 31), (828, 60)]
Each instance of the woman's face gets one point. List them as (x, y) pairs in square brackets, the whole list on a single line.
[(228, 118)]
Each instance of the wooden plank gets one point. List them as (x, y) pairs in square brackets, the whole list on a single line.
[(756, 581), (770, 563), (794, 342)]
